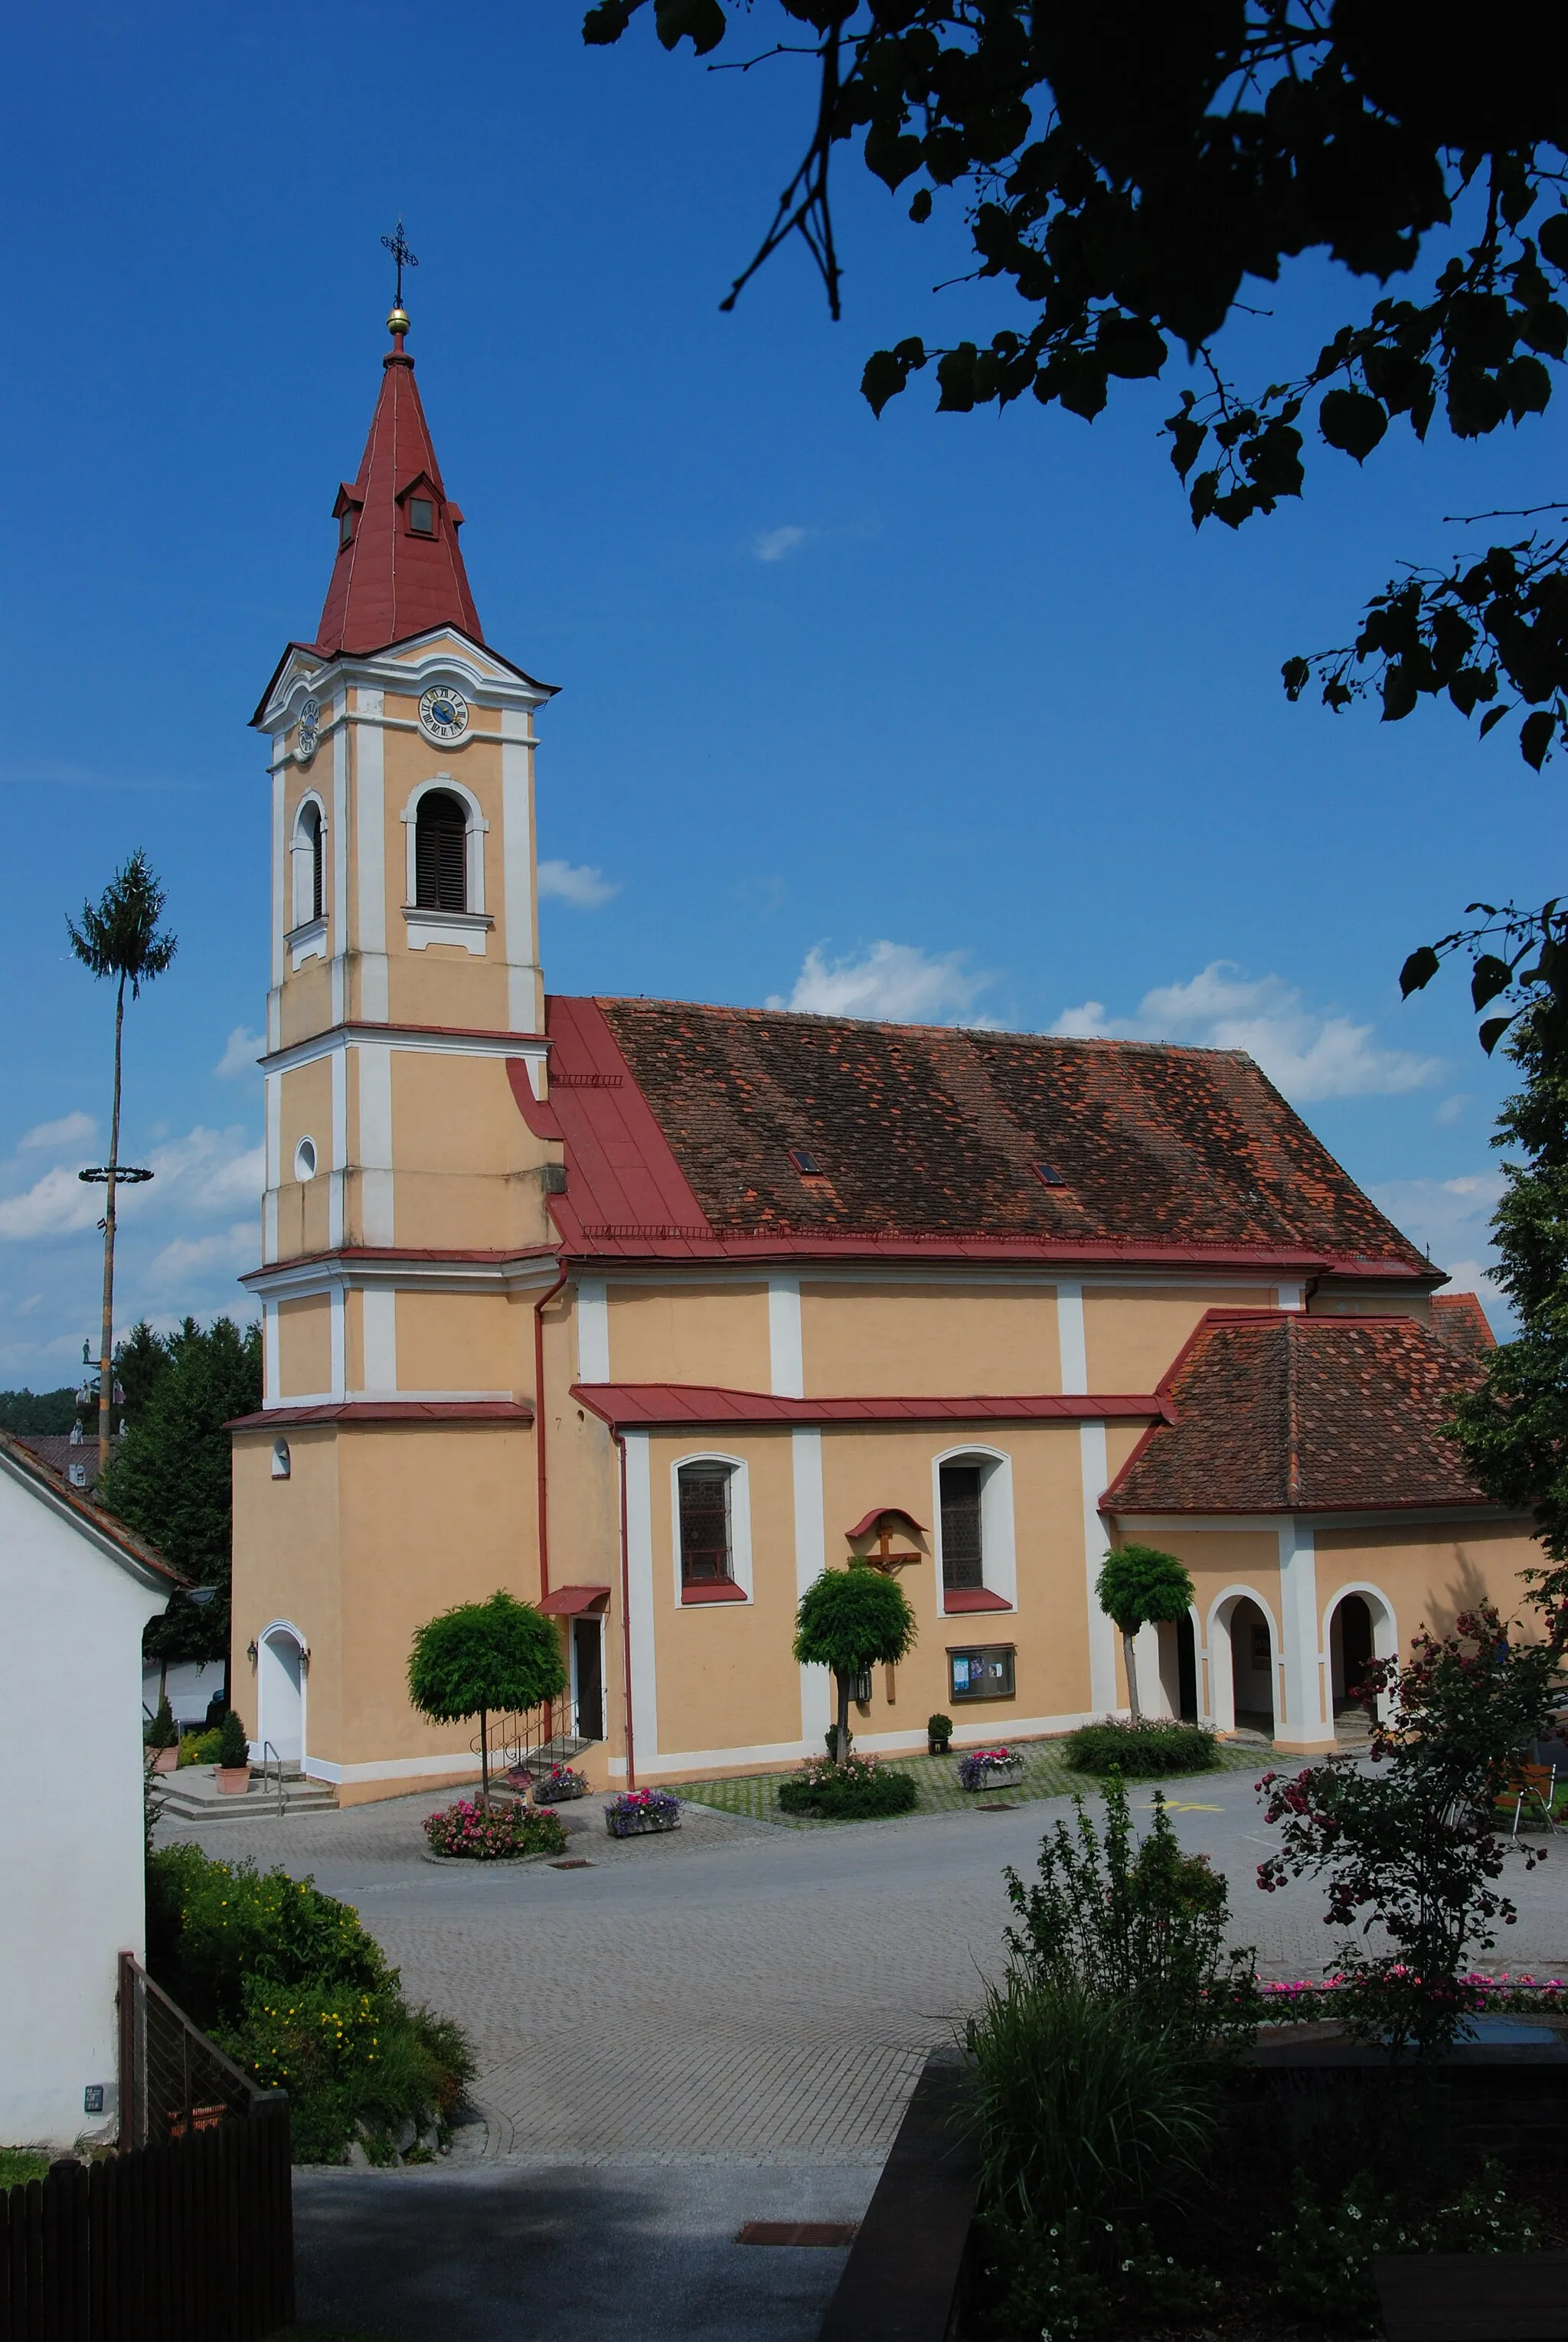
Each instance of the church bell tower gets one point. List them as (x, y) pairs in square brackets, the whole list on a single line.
[(405, 1232)]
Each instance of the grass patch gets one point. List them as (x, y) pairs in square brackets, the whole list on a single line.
[(20, 2163), (754, 1796)]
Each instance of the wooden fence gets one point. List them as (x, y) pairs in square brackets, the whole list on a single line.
[(187, 2233)]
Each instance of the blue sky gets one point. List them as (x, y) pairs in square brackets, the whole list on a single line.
[(940, 718)]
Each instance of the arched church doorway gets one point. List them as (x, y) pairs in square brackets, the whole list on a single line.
[(280, 1692), (1350, 1652), (1251, 1667)]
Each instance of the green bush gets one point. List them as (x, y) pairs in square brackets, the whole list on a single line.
[(1139, 1752), (234, 1749), (18, 2164), (938, 1735), (861, 1792), (161, 1731), (200, 1747), (288, 1982), (1322, 2257)]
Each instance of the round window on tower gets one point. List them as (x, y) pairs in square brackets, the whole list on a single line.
[(305, 1160)]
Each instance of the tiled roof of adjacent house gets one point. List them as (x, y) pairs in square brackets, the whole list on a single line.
[(22, 1457), (1461, 1321), (1280, 1412), (689, 1127), (65, 1455)]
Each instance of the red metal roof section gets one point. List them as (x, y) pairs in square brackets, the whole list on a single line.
[(388, 583), (572, 1601), (1271, 1411), (386, 1410), (678, 1123), (643, 1406), (1459, 1319), (885, 1513)]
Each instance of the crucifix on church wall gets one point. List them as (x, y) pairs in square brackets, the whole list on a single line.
[(884, 1559)]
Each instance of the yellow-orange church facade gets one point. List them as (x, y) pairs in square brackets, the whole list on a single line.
[(649, 1312)]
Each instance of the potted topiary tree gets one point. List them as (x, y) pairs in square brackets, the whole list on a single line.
[(852, 1619), (938, 1735), (482, 1658), (162, 1739), (1139, 1584), (233, 1772)]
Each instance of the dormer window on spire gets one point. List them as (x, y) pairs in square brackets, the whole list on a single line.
[(421, 516)]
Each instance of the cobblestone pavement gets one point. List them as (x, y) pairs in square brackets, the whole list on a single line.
[(735, 1989)]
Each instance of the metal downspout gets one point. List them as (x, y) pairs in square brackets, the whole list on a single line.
[(540, 1410), (626, 1620)]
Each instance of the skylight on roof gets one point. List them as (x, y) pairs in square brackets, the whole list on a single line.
[(1048, 1176), (806, 1163)]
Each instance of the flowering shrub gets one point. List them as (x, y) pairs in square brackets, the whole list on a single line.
[(976, 1769), (1313, 1999), (636, 1809), (857, 1791), (288, 1981), (1322, 2257), (559, 1784), (474, 1833), (1141, 1751), (200, 1747)]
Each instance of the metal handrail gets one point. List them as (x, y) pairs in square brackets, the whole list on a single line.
[(266, 1769)]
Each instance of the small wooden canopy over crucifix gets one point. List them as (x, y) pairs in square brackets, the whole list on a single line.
[(884, 1524)]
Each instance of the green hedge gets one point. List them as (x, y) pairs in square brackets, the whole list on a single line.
[(864, 1793), (288, 1981), (1141, 1751)]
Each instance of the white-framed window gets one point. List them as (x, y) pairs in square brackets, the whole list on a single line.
[(446, 831), (976, 1559), (307, 859), (711, 1529), (305, 1160)]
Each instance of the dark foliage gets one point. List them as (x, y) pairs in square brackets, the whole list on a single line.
[(861, 1792), (1140, 1752), (169, 1477), (37, 1413)]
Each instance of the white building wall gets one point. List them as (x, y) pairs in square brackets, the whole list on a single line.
[(70, 1851)]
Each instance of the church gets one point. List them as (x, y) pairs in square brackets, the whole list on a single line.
[(649, 1312)]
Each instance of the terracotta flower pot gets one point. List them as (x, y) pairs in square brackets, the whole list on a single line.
[(164, 1760), (233, 1780)]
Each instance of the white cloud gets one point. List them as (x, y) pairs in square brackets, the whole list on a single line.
[(71, 1130), (1452, 1108), (241, 1051), (1309, 1055), (581, 884), (897, 982), (778, 544), (238, 1248), (57, 1204), (206, 1171)]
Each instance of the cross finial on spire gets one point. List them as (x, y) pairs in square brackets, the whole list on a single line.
[(398, 245)]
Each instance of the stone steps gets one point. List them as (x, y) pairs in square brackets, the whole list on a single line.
[(194, 1795)]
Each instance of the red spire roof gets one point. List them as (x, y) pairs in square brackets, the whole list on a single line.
[(399, 569)]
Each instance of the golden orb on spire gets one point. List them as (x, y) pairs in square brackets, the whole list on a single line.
[(398, 321)]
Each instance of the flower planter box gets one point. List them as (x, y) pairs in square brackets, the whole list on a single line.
[(646, 1823), (561, 1792), (233, 1780), (995, 1776)]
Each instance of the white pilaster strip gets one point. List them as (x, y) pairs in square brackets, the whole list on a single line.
[(592, 1330), (517, 871), (269, 1354), (339, 1345), (375, 1066), (370, 842), (640, 1621), (1306, 1716), (378, 1304), (339, 860), (786, 1356), (338, 1174), (272, 1084), (1101, 1633), (1071, 1342), (280, 892), (810, 1561)]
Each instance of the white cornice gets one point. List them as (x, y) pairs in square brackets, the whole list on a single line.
[(1043, 1275), (1384, 1517), (292, 1280), (453, 657), (405, 1036)]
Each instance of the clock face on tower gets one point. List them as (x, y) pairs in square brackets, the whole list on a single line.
[(444, 714), (309, 730)]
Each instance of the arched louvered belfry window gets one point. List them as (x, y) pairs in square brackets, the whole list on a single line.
[(440, 852), (309, 864)]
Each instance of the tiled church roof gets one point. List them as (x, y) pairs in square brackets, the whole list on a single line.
[(1461, 1321), (696, 1126), (1280, 1412)]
